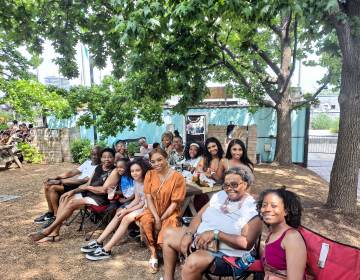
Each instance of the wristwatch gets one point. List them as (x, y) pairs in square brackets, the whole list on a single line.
[(216, 234)]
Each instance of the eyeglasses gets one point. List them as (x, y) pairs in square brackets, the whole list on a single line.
[(232, 185)]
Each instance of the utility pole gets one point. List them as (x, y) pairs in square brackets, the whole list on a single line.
[(92, 83)]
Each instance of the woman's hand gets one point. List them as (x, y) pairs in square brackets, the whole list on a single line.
[(122, 212), (158, 225), (209, 172), (202, 241), (123, 200), (185, 244)]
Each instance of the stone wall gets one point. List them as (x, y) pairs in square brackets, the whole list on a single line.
[(245, 133), (54, 144)]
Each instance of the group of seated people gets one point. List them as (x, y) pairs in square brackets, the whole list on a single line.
[(15, 133), (152, 193)]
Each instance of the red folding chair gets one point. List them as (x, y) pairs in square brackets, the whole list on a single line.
[(341, 262), (99, 215)]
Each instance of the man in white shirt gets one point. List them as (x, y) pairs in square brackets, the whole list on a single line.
[(145, 148), (54, 187)]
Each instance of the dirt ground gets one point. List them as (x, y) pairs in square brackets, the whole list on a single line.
[(21, 259)]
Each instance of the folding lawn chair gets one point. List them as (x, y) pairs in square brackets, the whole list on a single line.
[(99, 215), (328, 259)]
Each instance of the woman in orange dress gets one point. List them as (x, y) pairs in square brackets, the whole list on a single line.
[(164, 190)]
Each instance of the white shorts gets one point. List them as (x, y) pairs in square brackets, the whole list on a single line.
[(88, 200)]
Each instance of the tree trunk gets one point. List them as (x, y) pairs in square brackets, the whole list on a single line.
[(283, 106), (283, 134), (345, 171)]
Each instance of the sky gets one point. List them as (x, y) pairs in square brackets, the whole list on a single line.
[(308, 75)]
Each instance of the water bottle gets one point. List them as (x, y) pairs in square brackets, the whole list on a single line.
[(245, 261)]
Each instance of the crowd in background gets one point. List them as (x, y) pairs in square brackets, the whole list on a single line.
[(16, 133)]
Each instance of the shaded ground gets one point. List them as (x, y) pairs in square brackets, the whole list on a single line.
[(22, 260)]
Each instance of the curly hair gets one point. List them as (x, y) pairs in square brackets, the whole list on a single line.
[(244, 158), (144, 165), (292, 205), (244, 174), (108, 150), (168, 134), (207, 155)]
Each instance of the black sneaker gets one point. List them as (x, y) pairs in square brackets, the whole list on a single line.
[(48, 222), (134, 233), (99, 254), (44, 217), (90, 247)]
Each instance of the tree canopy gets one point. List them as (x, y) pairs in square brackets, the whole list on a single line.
[(163, 48)]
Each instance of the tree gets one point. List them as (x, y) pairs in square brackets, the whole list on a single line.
[(30, 99), (250, 45), (163, 48), (113, 105), (344, 18)]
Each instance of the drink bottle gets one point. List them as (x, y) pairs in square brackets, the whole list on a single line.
[(245, 261)]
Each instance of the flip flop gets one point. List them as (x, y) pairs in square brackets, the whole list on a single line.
[(153, 265), (37, 236), (49, 239)]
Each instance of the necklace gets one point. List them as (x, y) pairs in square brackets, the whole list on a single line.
[(162, 181), (163, 178), (225, 207)]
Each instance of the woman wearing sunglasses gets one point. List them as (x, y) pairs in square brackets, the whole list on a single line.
[(229, 220)]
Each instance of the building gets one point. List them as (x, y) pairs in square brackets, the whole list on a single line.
[(57, 81), (327, 104)]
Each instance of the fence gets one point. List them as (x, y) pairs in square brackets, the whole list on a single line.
[(322, 144)]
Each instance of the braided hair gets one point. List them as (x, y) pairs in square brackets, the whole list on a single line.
[(292, 205)]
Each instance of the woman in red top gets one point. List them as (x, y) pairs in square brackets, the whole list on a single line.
[(284, 256)]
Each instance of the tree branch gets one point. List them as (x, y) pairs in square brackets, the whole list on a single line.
[(318, 91), (236, 73), (287, 25), (266, 85), (276, 29), (287, 81), (267, 59), (212, 66), (248, 86), (222, 47), (267, 103)]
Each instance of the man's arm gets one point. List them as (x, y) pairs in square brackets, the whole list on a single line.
[(74, 181), (67, 174)]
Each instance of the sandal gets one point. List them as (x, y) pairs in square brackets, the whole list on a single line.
[(37, 236), (50, 239), (153, 265)]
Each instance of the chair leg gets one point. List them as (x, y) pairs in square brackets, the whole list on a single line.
[(99, 224), (83, 214), (68, 223)]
